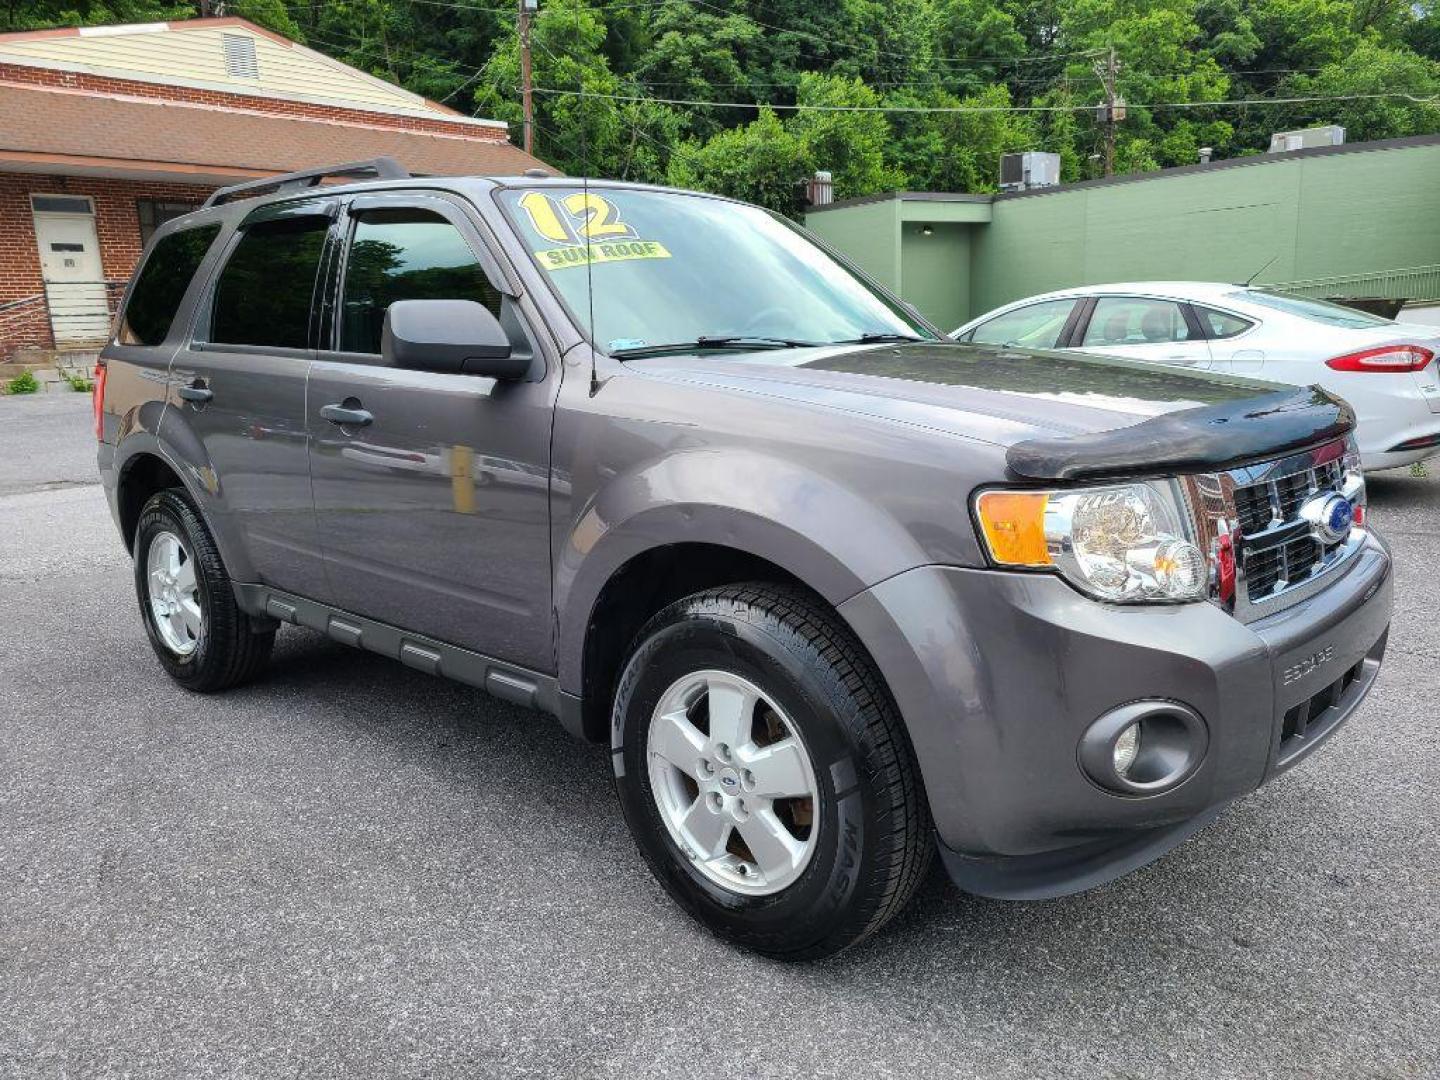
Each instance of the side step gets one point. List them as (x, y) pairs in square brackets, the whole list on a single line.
[(517, 685)]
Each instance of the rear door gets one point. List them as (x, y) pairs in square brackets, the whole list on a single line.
[(1236, 344), (240, 386), (1144, 328), (434, 512)]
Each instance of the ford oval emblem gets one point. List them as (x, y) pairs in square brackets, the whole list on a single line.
[(1331, 515)]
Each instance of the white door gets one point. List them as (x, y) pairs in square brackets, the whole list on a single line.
[(70, 263)]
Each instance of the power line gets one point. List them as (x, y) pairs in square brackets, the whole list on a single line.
[(691, 103)]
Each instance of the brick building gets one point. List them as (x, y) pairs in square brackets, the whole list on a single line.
[(106, 132)]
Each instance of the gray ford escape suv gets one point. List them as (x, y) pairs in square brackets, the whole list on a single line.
[(838, 593)]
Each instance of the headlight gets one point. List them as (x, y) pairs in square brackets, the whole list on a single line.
[(1126, 543)]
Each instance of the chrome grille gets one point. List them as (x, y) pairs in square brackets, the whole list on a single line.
[(1255, 513), (1277, 548)]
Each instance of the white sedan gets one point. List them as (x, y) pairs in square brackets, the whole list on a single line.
[(1386, 370)]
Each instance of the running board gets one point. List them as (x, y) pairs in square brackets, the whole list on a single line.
[(517, 685)]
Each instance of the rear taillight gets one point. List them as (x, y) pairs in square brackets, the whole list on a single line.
[(97, 400), (1384, 358)]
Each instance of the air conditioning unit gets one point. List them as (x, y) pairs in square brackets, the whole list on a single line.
[(1284, 141), (1032, 169)]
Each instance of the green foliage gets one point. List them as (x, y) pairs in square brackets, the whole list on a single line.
[(79, 383), (920, 94), (24, 383)]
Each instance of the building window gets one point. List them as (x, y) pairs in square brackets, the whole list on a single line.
[(60, 204), (154, 213), (240, 61)]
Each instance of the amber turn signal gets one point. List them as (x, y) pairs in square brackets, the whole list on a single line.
[(1014, 526)]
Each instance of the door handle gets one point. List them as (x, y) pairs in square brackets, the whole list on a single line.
[(197, 392), (346, 415)]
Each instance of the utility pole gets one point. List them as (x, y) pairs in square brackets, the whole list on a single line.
[(1114, 108), (526, 102)]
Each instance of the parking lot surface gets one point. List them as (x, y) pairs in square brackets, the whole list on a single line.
[(352, 870)]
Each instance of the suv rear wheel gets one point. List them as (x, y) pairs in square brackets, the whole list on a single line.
[(765, 772), (202, 638)]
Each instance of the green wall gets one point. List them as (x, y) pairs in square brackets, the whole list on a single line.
[(935, 271), (868, 233), (1316, 216)]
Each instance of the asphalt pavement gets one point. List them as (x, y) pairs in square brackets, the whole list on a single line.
[(350, 869)]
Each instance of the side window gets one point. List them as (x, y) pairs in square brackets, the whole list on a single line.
[(1220, 325), (1134, 320), (162, 284), (263, 296), (1035, 326), (404, 254)]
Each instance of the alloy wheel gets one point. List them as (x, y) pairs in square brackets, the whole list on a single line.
[(174, 595), (733, 782)]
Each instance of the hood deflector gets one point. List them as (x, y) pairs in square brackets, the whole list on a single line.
[(1203, 439)]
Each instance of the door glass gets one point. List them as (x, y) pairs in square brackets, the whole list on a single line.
[(1036, 326), (263, 296), (405, 255), (162, 284), (1133, 320), (1220, 325)]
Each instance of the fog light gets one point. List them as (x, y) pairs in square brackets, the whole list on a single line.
[(1127, 748), (1144, 748)]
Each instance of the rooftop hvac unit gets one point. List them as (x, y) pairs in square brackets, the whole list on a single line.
[(1329, 135), (1021, 172)]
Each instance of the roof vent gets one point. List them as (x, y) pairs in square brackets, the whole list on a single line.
[(240, 61), (820, 188)]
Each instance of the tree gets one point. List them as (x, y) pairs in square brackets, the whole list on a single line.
[(762, 163)]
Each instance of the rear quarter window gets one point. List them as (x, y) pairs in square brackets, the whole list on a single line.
[(1221, 324), (162, 283)]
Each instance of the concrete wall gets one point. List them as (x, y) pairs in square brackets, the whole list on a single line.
[(1317, 216), (868, 233), (935, 271), (1310, 216)]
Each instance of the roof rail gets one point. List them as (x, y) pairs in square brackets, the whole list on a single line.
[(380, 168)]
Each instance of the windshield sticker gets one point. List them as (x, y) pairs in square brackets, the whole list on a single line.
[(589, 228)]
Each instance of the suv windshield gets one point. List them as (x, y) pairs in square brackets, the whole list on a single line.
[(1321, 311), (685, 270)]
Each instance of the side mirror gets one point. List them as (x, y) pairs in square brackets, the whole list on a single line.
[(459, 336)]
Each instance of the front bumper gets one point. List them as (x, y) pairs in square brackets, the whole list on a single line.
[(999, 674)]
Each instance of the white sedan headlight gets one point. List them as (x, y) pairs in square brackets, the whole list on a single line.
[(1126, 543)]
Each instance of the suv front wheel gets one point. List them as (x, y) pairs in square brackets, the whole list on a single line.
[(201, 637), (765, 772)]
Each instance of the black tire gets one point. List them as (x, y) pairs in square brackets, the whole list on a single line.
[(230, 649), (874, 841)]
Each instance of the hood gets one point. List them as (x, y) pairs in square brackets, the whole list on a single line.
[(1061, 415)]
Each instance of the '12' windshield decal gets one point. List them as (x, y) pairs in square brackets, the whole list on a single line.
[(588, 227)]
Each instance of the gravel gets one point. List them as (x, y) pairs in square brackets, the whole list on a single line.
[(352, 870)]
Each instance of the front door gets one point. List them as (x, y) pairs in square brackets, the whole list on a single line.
[(434, 512), (75, 290), (240, 389)]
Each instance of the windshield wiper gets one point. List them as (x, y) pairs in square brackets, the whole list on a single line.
[(879, 335), (741, 342)]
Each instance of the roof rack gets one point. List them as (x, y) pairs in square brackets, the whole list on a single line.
[(380, 168)]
